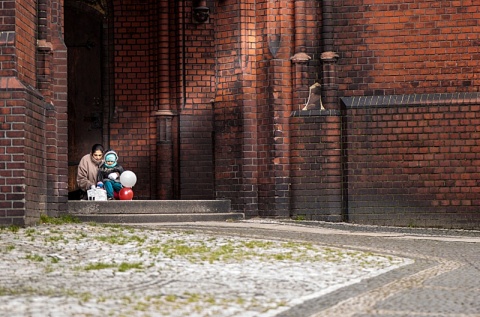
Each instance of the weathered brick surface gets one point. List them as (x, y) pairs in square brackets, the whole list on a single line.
[(229, 112), (316, 151), (254, 98), (132, 127), (25, 40), (23, 157), (196, 169), (155, 73), (213, 110), (414, 165), (390, 48), (33, 153)]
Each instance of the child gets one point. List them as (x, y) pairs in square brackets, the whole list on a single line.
[(109, 173)]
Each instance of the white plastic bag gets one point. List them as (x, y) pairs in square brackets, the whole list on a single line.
[(97, 194)]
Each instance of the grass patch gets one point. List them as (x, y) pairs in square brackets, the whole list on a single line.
[(56, 238), (63, 219), (123, 267), (9, 248), (98, 266), (13, 228), (121, 239), (129, 266), (228, 251), (299, 218), (34, 257)]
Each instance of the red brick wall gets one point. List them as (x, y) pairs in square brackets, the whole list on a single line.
[(229, 114), (33, 156), (409, 148), (41, 186), (154, 74), (316, 169), (52, 73), (196, 113), (23, 181), (415, 164), (25, 20), (255, 97), (229, 88), (12, 160), (7, 40), (410, 162), (388, 47), (132, 125)]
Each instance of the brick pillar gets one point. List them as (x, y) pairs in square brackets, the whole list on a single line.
[(330, 86), (332, 128), (167, 179), (317, 189), (332, 137), (333, 167), (281, 34)]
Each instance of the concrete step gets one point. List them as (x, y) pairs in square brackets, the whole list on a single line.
[(151, 211)]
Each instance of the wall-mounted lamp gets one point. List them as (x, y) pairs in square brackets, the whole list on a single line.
[(201, 13)]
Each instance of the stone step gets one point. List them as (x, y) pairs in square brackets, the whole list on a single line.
[(155, 218), (151, 211)]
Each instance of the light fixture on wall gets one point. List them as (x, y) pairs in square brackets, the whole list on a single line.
[(201, 13)]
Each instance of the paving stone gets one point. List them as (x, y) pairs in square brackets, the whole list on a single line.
[(88, 270)]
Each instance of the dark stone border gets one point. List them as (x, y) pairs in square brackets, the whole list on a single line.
[(412, 100), (316, 113)]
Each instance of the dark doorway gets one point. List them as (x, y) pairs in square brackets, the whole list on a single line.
[(83, 38)]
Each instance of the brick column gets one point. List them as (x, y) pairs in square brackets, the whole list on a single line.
[(281, 34), (317, 188), (167, 179)]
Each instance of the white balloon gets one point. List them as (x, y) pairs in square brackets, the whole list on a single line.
[(128, 179)]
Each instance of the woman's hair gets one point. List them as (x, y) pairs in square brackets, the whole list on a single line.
[(97, 147)]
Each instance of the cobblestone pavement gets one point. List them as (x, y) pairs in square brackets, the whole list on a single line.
[(245, 268), (443, 281), (96, 270)]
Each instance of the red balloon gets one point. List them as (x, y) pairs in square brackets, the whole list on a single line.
[(115, 195), (125, 193)]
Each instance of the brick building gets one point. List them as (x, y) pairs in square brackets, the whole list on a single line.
[(337, 110)]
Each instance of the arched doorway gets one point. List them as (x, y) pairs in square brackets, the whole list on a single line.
[(87, 78)]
